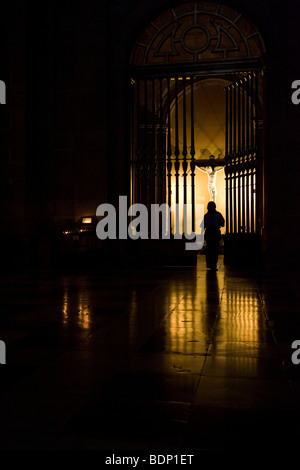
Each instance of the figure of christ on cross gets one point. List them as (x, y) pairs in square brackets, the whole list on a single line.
[(211, 169)]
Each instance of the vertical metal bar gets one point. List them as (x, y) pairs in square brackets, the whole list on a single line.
[(230, 121), (164, 149), (252, 113), (192, 119), (231, 202), (242, 83), (243, 117), (169, 148), (239, 153), (192, 165), (234, 118), (184, 150), (161, 155), (226, 167), (145, 149), (229, 162), (234, 202), (132, 143), (256, 112), (227, 199), (248, 177), (256, 208), (152, 176), (138, 144), (177, 164), (184, 163), (247, 202), (226, 123), (239, 202), (226, 159), (239, 119), (252, 201), (247, 117), (232, 191), (243, 201), (258, 163)]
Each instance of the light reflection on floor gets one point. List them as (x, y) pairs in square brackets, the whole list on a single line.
[(168, 354)]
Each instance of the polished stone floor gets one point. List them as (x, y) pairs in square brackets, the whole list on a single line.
[(165, 358)]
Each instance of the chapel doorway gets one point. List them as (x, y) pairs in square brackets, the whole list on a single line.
[(196, 102)]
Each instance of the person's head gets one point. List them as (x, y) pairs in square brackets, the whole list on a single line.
[(211, 206)]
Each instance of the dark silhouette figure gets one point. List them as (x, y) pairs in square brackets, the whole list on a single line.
[(213, 221)]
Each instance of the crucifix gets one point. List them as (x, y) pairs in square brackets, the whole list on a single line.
[(211, 168)]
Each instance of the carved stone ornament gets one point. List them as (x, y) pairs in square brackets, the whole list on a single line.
[(197, 31)]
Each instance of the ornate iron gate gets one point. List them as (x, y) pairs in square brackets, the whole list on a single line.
[(163, 152), (242, 169), (183, 44)]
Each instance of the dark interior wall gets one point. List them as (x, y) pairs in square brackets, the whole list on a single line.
[(56, 133), (78, 173), (65, 149), (13, 221), (280, 28), (290, 164)]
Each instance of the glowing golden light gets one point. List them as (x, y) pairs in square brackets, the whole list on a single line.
[(84, 313), (86, 220), (180, 78), (78, 312), (180, 228), (65, 308), (209, 139)]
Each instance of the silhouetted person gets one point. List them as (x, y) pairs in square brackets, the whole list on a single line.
[(213, 221)]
